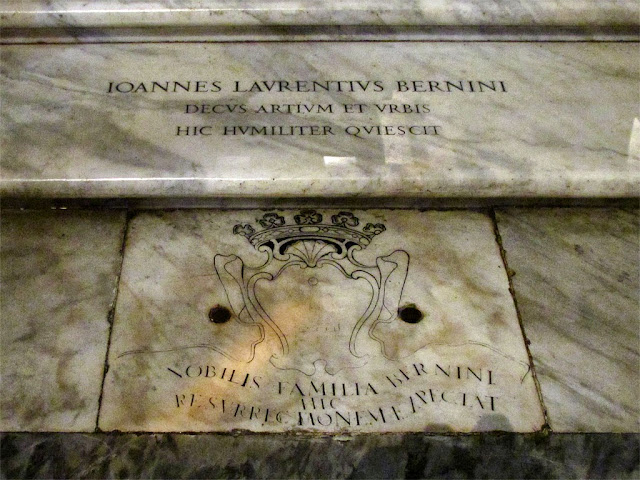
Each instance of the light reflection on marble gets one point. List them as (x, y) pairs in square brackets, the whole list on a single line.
[(315, 335), (58, 278), (577, 285), (634, 144), (562, 128), (73, 14)]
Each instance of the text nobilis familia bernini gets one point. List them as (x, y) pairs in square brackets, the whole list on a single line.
[(307, 86)]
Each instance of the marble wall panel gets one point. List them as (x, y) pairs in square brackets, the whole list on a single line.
[(577, 286), (58, 281)]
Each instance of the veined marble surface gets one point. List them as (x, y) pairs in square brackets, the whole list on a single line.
[(133, 455), (577, 283), (58, 279), (556, 120), (39, 13), (316, 320)]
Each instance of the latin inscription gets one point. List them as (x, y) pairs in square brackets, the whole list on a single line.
[(395, 396), (318, 320), (287, 118)]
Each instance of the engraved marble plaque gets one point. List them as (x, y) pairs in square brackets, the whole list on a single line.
[(316, 320), (379, 119)]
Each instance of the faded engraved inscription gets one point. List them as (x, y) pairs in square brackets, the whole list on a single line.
[(314, 338)]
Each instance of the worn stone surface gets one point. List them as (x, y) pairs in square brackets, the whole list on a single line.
[(58, 279), (327, 320), (577, 285)]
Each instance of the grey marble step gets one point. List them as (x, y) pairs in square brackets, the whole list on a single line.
[(392, 121), (157, 20)]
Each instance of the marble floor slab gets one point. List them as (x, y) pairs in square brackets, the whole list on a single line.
[(577, 286), (58, 278), (316, 320), (321, 119)]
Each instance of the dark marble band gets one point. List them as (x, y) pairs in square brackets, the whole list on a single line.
[(32, 455)]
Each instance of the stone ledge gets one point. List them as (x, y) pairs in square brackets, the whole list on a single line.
[(29, 455)]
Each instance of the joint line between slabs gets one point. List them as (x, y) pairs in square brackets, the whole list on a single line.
[(546, 428), (112, 313)]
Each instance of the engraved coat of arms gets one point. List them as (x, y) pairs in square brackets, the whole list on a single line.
[(315, 305)]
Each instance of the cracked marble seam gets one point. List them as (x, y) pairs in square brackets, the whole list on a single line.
[(58, 274), (577, 283)]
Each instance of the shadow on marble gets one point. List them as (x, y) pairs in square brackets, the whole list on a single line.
[(58, 281), (490, 456), (577, 287)]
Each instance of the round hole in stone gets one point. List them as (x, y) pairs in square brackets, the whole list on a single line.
[(410, 314), (219, 314)]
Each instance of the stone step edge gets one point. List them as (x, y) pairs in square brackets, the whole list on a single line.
[(104, 21), (32, 203), (620, 33)]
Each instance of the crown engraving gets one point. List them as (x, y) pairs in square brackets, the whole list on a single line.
[(277, 234), (307, 239)]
